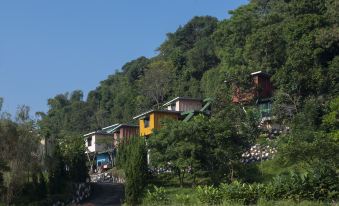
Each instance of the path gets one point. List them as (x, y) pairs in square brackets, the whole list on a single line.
[(105, 194)]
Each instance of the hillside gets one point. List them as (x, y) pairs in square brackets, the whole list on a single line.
[(296, 42), (224, 153)]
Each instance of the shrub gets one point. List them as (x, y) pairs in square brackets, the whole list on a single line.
[(182, 199), (316, 184), (242, 192), (135, 170), (157, 195), (209, 195)]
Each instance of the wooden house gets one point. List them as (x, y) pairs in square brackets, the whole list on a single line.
[(183, 104), (260, 90), (99, 146), (152, 119), (124, 131)]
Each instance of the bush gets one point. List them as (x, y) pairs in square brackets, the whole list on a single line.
[(317, 184), (135, 170), (241, 192), (155, 196), (320, 184), (209, 195), (182, 199)]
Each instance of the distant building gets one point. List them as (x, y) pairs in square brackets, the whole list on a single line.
[(151, 120), (260, 90), (100, 146), (260, 93), (183, 104), (124, 131), (97, 141)]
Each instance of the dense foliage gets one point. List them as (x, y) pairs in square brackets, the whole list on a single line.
[(209, 147), (20, 158), (295, 41), (132, 158)]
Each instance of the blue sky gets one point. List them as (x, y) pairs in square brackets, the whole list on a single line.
[(51, 47)]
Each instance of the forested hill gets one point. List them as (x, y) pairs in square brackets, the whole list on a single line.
[(296, 41)]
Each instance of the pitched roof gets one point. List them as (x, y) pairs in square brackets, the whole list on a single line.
[(260, 73), (181, 98), (96, 132), (124, 125), (150, 111), (104, 131)]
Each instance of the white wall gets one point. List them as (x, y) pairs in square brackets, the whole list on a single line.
[(97, 145)]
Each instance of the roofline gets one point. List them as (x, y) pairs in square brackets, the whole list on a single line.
[(259, 72), (124, 125), (113, 125), (96, 132), (150, 111), (178, 98), (142, 114)]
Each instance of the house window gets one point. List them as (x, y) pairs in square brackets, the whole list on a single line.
[(173, 107), (89, 141), (146, 121), (265, 109)]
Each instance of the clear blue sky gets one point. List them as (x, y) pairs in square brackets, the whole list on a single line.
[(51, 47)]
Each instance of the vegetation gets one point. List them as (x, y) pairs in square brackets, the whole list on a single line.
[(295, 41), (204, 147), (135, 167)]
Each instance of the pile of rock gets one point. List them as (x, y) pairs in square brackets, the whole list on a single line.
[(82, 191), (258, 153), (102, 177)]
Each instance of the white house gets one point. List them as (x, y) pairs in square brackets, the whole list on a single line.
[(184, 104), (100, 141)]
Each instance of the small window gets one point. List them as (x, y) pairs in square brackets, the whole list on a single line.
[(146, 121), (89, 141)]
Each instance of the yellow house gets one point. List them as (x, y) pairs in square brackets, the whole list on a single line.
[(151, 120)]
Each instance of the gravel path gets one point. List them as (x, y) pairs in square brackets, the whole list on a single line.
[(105, 194)]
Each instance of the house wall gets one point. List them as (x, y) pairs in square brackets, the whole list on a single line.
[(125, 132), (155, 122), (263, 85), (99, 143), (188, 105), (171, 107), (262, 88), (159, 116)]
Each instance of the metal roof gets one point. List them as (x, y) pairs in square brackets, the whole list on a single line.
[(123, 125), (259, 72), (96, 132), (150, 111), (181, 98), (103, 131), (110, 127)]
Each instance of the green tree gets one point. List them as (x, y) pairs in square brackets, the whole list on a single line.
[(307, 145), (210, 146), (177, 146), (135, 170), (156, 82)]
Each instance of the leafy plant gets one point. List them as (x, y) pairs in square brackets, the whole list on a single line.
[(209, 195), (157, 195), (242, 192), (135, 170), (183, 199)]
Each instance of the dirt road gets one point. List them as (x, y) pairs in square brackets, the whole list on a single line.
[(105, 194)]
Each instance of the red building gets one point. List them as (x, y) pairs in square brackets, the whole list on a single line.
[(124, 131), (261, 89)]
